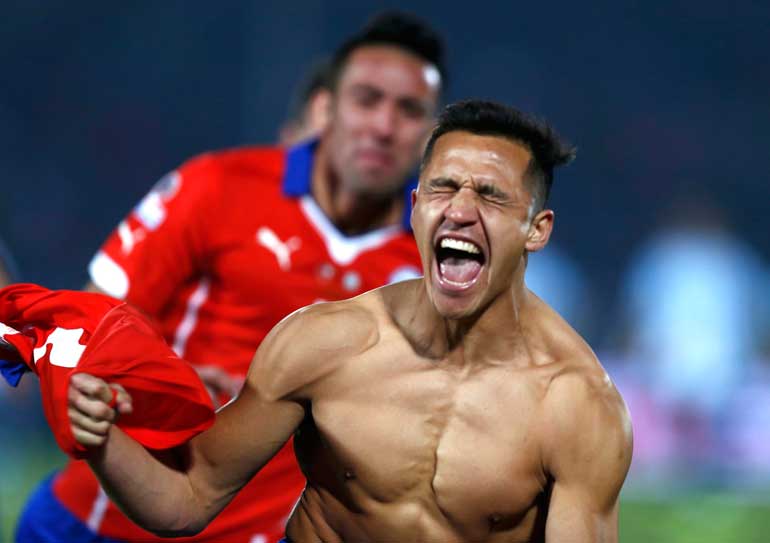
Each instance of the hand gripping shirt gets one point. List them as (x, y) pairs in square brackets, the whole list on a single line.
[(57, 333), (218, 252)]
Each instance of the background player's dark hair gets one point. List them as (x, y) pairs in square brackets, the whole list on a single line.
[(394, 28), (316, 78), (493, 119)]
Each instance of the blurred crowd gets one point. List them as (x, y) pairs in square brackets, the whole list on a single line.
[(687, 343)]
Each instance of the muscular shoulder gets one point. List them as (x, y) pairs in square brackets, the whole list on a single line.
[(310, 344), (586, 425), (581, 387)]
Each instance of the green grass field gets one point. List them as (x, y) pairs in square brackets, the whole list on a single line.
[(688, 519), (694, 519), (22, 470)]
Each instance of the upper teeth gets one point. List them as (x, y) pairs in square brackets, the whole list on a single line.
[(459, 245)]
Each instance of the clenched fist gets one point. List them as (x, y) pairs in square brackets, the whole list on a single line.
[(94, 405)]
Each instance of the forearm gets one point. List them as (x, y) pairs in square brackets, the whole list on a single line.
[(157, 495)]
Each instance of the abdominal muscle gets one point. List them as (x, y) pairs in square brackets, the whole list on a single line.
[(320, 517), (430, 461)]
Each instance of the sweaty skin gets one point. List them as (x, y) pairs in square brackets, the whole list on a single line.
[(424, 410)]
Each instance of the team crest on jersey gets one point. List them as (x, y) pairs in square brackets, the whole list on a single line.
[(151, 211)]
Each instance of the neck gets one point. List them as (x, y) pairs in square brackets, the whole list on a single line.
[(350, 211), (494, 333)]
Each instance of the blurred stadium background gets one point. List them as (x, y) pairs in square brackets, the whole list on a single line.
[(661, 252)]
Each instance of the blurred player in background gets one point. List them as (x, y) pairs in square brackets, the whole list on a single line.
[(308, 112), (228, 244)]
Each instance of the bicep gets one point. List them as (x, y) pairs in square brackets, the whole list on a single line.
[(588, 459), (574, 516), (247, 433), (285, 376)]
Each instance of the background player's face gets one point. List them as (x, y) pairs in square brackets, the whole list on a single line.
[(473, 220), (381, 114)]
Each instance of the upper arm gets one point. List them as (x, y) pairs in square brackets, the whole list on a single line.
[(247, 433), (160, 243), (179, 491), (284, 376), (588, 453), (251, 428)]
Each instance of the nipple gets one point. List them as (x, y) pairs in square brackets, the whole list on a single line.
[(499, 522)]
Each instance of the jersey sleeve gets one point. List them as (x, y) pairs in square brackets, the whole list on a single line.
[(163, 242)]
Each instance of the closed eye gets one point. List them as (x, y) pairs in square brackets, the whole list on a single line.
[(444, 183), (490, 192)]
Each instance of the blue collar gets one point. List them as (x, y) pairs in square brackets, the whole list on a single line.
[(299, 171)]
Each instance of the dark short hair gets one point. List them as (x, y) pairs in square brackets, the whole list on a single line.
[(492, 119), (398, 29)]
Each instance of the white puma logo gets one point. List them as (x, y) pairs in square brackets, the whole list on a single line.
[(282, 250)]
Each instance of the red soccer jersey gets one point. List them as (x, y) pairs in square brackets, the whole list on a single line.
[(218, 252), (58, 333)]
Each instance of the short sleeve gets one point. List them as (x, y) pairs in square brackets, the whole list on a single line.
[(162, 243)]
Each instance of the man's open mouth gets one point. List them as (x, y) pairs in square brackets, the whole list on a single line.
[(459, 261)]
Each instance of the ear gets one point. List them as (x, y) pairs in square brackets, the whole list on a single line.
[(414, 201), (539, 231), (319, 110), (329, 102)]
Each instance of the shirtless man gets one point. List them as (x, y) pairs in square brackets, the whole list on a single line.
[(456, 407)]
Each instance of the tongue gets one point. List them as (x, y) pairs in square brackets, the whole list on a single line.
[(459, 270)]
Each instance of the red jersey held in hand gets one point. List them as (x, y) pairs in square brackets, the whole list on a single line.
[(58, 333)]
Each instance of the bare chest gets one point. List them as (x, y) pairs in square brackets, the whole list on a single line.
[(463, 447)]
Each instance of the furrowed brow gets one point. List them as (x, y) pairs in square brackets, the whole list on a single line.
[(443, 183)]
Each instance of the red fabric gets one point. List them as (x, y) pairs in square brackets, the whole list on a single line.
[(59, 333), (196, 255)]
